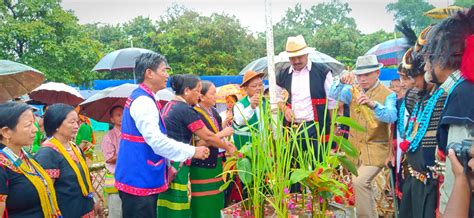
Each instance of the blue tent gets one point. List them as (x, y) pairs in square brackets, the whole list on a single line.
[(217, 80), (387, 74)]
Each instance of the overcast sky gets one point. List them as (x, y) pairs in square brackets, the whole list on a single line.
[(370, 15)]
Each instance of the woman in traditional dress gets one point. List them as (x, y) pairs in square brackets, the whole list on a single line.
[(25, 188), (206, 199), (65, 163), (182, 121)]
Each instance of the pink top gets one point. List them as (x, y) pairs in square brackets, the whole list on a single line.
[(301, 94), (110, 147)]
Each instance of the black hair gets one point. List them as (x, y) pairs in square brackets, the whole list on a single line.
[(10, 113), (266, 91), (146, 61), (55, 116), (234, 97), (446, 40), (418, 65), (113, 108), (206, 85), (179, 82)]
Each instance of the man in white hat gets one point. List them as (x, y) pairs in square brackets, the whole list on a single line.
[(365, 94), (308, 86)]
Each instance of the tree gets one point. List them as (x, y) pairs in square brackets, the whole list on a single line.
[(325, 26), (215, 45), (464, 3), (338, 42), (43, 35), (412, 12), (141, 30), (307, 22)]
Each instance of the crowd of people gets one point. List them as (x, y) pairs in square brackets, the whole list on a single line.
[(167, 161)]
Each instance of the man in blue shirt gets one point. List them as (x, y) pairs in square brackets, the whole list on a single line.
[(373, 106)]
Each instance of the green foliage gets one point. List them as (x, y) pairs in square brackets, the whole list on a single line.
[(464, 3), (215, 45), (350, 123), (346, 146), (328, 28), (298, 175), (43, 35), (412, 12), (245, 168)]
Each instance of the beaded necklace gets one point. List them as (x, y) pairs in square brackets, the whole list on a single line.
[(423, 119), (401, 122)]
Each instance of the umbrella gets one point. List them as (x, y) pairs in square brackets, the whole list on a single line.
[(17, 79), (98, 105), (226, 90), (120, 60), (282, 62), (164, 95), (390, 52), (442, 13), (52, 92)]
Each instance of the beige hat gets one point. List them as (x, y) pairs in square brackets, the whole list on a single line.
[(296, 46), (366, 64)]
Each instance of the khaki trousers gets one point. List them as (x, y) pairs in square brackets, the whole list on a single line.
[(364, 195), (115, 205)]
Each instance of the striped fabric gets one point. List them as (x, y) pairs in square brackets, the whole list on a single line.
[(175, 202), (206, 199)]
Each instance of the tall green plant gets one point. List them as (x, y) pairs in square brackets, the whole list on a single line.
[(266, 164)]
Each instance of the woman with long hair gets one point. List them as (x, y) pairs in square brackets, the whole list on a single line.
[(25, 188), (182, 122), (65, 163)]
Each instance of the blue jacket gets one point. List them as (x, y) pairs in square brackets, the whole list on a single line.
[(139, 170)]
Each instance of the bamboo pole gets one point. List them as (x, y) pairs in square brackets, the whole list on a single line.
[(271, 58)]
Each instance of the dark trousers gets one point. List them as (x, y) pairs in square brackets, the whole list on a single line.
[(307, 139), (138, 206)]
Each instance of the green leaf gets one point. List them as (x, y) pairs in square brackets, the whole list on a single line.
[(245, 167), (351, 123), (346, 146), (348, 164), (225, 185), (246, 150), (298, 175)]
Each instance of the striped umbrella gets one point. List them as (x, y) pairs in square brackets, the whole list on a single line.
[(442, 13), (391, 52)]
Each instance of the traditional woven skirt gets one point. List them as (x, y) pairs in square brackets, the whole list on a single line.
[(206, 199), (174, 202)]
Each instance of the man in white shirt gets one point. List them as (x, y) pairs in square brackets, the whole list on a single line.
[(141, 172)]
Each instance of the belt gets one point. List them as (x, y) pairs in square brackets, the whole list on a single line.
[(423, 176)]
